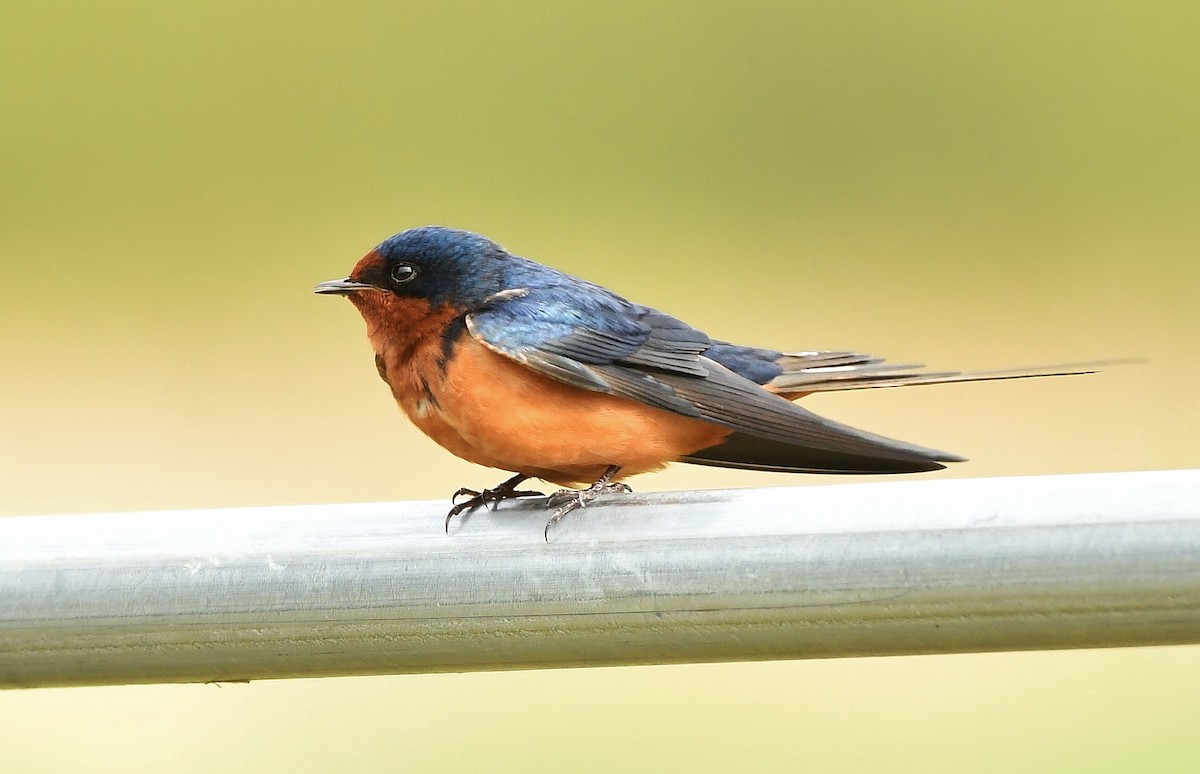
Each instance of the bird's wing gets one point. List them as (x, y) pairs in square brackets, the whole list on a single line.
[(594, 340)]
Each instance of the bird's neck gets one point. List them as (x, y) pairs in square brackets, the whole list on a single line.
[(398, 328)]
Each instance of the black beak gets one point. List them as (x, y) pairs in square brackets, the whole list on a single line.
[(342, 287)]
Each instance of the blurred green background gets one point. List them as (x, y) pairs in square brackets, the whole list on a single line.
[(963, 184)]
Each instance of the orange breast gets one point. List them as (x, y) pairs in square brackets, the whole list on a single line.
[(490, 410), (510, 417)]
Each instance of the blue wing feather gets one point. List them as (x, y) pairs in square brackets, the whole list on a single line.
[(590, 325), (593, 339)]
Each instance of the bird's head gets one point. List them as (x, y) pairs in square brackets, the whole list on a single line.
[(436, 264)]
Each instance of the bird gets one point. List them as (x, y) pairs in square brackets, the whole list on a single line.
[(515, 365)]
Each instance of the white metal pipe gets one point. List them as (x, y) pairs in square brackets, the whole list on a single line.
[(851, 570)]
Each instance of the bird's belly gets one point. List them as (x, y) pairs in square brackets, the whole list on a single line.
[(493, 411)]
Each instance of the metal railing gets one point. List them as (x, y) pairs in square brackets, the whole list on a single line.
[(801, 572)]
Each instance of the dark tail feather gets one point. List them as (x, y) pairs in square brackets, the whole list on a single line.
[(749, 452), (771, 433), (819, 445), (872, 373)]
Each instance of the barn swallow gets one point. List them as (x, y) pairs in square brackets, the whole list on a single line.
[(515, 365)]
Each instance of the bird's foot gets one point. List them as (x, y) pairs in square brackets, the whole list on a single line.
[(488, 497), (566, 500), (572, 499)]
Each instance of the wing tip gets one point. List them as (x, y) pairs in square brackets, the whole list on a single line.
[(748, 452)]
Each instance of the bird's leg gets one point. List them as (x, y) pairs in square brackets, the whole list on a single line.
[(568, 500), (505, 491)]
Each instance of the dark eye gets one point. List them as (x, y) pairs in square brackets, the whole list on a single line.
[(404, 272)]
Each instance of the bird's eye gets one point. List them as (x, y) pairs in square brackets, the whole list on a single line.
[(404, 272)]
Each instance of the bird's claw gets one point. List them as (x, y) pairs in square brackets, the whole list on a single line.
[(489, 498), (464, 491), (568, 500), (579, 498)]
